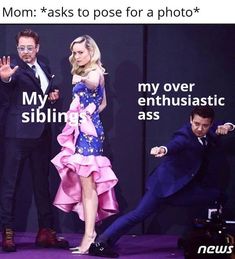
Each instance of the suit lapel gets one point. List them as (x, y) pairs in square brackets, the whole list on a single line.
[(30, 73), (45, 70), (28, 70)]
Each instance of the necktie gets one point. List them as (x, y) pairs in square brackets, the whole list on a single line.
[(36, 73), (204, 141)]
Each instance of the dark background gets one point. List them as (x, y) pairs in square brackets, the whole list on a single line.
[(200, 54)]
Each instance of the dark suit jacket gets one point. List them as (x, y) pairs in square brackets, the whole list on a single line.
[(3, 109), (182, 163), (24, 80)]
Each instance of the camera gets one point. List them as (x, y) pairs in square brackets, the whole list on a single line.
[(208, 239)]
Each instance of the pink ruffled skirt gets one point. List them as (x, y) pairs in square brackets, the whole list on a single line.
[(69, 194)]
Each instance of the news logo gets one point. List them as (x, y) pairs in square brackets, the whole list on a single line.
[(215, 249)]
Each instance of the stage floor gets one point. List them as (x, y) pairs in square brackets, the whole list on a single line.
[(136, 247)]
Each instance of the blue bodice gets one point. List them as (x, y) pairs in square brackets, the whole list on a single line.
[(86, 144)]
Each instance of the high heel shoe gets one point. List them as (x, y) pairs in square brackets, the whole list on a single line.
[(74, 248), (77, 250)]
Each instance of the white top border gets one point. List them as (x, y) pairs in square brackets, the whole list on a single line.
[(120, 12)]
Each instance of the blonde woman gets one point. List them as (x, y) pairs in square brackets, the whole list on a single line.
[(87, 179)]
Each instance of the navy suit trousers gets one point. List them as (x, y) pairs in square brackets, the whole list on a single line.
[(192, 194), (16, 152)]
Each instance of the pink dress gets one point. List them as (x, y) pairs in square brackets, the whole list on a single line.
[(81, 155)]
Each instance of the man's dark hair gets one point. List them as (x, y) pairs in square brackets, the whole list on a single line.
[(204, 112), (27, 33)]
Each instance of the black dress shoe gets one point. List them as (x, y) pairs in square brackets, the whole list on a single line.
[(103, 250)]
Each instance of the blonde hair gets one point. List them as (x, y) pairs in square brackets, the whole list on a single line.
[(95, 61)]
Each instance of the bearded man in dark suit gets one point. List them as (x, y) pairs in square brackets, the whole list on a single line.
[(28, 85)]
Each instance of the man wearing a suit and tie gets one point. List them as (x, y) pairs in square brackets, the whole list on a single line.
[(27, 140), (185, 175)]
